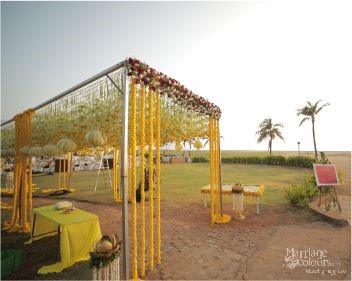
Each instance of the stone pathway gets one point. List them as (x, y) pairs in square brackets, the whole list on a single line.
[(254, 248), (343, 217), (268, 261)]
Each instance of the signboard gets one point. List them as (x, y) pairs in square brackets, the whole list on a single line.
[(325, 174)]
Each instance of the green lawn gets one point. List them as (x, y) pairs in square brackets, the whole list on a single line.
[(181, 183)]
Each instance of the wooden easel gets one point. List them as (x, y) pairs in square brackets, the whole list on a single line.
[(327, 179), (100, 167)]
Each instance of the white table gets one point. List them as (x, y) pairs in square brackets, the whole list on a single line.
[(254, 190)]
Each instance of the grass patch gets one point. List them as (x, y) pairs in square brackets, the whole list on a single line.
[(181, 183)]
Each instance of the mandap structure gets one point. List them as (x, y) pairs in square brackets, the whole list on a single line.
[(128, 109)]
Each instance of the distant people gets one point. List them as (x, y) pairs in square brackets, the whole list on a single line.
[(9, 180), (51, 166), (146, 184)]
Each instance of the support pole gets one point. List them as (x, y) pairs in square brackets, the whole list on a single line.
[(124, 174), (100, 164)]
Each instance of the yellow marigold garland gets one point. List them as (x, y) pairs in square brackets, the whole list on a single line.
[(116, 183), (30, 164), (215, 167), (114, 174), (212, 167), (129, 175), (157, 145), (64, 171), (59, 174), (151, 182), (118, 176), (20, 212), (142, 175)]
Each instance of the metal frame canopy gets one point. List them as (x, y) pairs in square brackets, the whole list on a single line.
[(134, 72)]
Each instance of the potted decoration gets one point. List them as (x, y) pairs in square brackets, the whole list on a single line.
[(237, 191), (105, 258)]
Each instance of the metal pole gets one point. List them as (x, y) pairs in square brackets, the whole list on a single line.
[(299, 152), (112, 81), (124, 176)]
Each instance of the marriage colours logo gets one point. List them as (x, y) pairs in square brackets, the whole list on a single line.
[(312, 261)]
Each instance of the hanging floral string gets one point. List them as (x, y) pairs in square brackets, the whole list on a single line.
[(212, 168), (215, 177), (142, 176), (151, 182), (158, 174), (22, 198)]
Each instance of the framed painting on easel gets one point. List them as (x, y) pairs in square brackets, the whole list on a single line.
[(327, 178), (325, 174)]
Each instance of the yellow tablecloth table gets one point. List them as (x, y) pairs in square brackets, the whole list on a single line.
[(78, 232), (255, 190)]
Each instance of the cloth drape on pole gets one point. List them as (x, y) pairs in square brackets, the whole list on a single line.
[(217, 215), (22, 196)]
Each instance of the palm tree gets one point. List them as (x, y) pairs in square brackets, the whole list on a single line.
[(310, 111), (269, 130)]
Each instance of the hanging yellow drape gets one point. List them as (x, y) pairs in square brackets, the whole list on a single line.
[(64, 171), (22, 197), (129, 175), (30, 164), (59, 174), (69, 159), (116, 182), (151, 182), (215, 169), (142, 176), (114, 173)]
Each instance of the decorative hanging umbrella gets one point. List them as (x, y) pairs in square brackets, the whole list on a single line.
[(25, 150), (96, 138), (66, 145), (50, 150), (36, 150), (10, 152), (178, 146), (198, 144)]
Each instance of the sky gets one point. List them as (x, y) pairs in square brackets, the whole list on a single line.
[(255, 60)]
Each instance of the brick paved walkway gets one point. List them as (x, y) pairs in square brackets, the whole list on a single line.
[(254, 248)]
